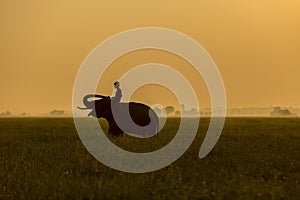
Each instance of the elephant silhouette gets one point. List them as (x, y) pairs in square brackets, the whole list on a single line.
[(129, 117)]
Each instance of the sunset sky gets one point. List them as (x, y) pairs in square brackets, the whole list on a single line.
[(255, 44)]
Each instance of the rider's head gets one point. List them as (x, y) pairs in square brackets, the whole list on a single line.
[(117, 84)]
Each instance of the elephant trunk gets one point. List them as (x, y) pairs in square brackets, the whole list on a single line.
[(89, 104)]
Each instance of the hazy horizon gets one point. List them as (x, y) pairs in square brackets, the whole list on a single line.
[(254, 44), (186, 112)]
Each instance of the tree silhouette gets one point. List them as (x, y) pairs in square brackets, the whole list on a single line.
[(169, 110)]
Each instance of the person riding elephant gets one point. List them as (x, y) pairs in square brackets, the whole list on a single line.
[(118, 94)]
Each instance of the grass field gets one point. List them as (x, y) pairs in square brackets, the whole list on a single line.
[(255, 158)]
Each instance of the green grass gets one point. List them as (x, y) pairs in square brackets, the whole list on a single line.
[(255, 158)]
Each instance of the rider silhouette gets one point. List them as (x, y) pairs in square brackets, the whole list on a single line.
[(118, 94)]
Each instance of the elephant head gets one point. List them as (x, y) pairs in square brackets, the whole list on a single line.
[(98, 106)]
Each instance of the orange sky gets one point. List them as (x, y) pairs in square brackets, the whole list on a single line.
[(43, 43)]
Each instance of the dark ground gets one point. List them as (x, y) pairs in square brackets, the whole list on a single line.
[(255, 158)]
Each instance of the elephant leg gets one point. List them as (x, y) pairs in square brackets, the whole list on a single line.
[(115, 130)]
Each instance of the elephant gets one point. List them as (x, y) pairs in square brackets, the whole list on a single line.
[(130, 117)]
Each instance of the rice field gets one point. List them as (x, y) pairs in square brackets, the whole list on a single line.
[(255, 158)]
